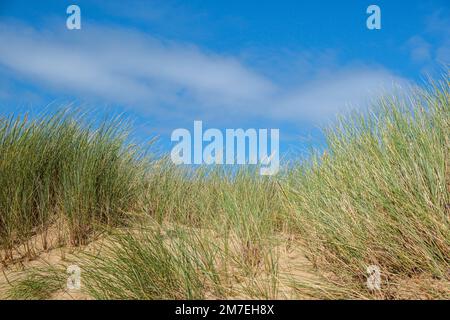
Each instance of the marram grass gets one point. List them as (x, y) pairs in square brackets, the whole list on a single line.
[(61, 168), (379, 195)]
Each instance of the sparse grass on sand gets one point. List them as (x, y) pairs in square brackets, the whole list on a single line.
[(379, 195)]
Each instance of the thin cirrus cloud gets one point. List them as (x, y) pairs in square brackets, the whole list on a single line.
[(128, 67)]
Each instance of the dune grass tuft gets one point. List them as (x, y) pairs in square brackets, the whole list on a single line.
[(381, 193), (63, 168)]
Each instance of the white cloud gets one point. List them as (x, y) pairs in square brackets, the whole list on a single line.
[(131, 68), (125, 65), (337, 92)]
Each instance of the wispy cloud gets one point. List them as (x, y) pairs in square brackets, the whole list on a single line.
[(338, 91), (436, 31), (154, 76)]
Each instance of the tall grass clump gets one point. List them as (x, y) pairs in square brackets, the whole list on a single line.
[(63, 168), (380, 195)]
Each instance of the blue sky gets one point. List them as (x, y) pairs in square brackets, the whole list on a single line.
[(291, 65)]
